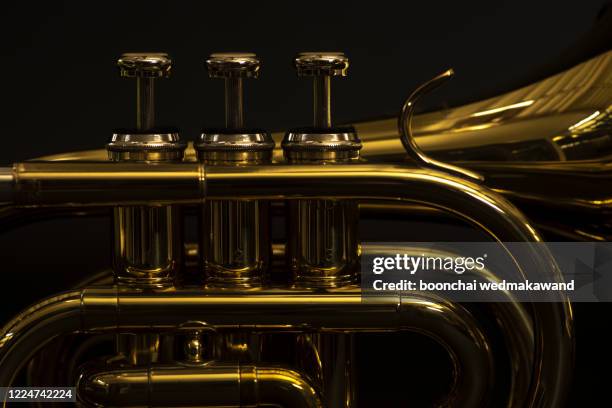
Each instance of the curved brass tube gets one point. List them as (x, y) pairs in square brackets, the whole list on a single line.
[(404, 125), (211, 385), (59, 183), (512, 318), (563, 118), (41, 322), (113, 309), (545, 146)]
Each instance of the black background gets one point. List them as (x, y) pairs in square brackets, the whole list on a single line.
[(61, 92), (61, 88)]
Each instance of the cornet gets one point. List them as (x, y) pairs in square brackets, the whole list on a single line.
[(245, 318)]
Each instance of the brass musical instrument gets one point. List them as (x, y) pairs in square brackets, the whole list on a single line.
[(242, 319)]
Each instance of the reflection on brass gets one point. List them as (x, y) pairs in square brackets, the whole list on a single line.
[(404, 125), (235, 236), (276, 322), (208, 385), (147, 245), (399, 183), (322, 247)]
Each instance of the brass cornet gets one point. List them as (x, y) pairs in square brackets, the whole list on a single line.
[(243, 318)]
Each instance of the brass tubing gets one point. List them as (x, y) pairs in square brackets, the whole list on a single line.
[(528, 185), (72, 183), (404, 124), (474, 203), (104, 183), (329, 358), (37, 325), (469, 201), (141, 348), (115, 309), (511, 317), (209, 384), (41, 183)]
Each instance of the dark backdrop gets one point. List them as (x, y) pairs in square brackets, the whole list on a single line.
[(61, 92)]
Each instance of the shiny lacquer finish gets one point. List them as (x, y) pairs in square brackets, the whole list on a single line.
[(147, 243), (245, 337), (235, 238), (115, 309), (546, 146), (38, 183), (208, 384), (322, 248), (544, 130)]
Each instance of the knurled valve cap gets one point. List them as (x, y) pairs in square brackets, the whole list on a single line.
[(321, 63), (144, 65), (233, 65)]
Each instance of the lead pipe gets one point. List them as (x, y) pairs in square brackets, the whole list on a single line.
[(105, 183)]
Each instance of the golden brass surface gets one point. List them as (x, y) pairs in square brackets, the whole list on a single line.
[(530, 162), (116, 309), (234, 234), (553, 120), (323, 248), (209, 384), (147, 244), (548, 131), (236, 247), (193, 182), (236, 238)]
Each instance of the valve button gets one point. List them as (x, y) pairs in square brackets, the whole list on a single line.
[(321, 63), (145, 65), (233, 65)]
